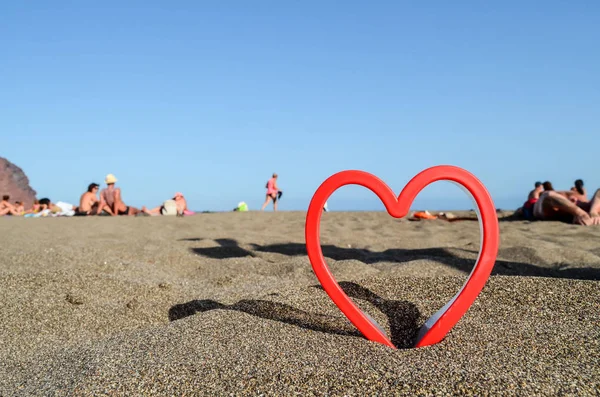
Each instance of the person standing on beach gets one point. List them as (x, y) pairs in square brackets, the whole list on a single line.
[(111, 196), (272, 193)]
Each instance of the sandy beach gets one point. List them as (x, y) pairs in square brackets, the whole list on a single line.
[(227, 304)]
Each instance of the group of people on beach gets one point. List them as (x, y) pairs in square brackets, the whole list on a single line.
[(573, 205), (18, 208), (109, 202)]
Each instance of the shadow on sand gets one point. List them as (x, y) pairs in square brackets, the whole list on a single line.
[(403, 316), (230, 248)]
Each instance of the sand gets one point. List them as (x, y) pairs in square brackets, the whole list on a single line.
[(227, 304)]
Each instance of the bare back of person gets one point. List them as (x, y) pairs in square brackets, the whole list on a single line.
[(112, 197)]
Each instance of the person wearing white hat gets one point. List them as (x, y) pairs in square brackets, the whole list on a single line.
[(111, 196)]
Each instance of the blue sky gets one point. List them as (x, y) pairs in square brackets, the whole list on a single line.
[(210, 98)]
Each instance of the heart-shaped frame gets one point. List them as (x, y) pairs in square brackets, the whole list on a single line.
[(437, 326)]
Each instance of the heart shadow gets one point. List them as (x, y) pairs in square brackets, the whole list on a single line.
[(403, 316)]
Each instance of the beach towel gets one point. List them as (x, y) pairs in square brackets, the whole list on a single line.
[(40, 214), (423, 215)]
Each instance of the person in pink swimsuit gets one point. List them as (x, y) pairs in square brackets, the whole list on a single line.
[(272, 191)]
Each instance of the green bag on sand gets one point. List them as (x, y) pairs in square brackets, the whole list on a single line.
[(242, 207)]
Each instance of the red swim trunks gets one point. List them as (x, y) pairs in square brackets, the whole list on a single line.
[(529, 203)]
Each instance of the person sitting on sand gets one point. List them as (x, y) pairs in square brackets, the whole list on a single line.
[(536, 192), (19, 207), (111, 196), (579, 192), (175, 206), (547, 186), (557, 206), (6, 208), (569, 194), (272, 193), (89, 203), (534, 195)]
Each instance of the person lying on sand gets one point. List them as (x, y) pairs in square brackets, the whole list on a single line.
[(35, 208), (89, 203), (111, 196), (554, 205), (177, 203), (47, 204), (181, 203), (6, 208)]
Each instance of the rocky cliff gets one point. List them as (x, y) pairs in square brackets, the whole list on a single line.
[(15, 183)]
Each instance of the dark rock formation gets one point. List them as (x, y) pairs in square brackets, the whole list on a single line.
[(14, 182)]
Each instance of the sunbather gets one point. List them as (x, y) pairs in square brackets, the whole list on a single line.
[(557, 206), (579, 191), (180, 206), (534, 195), (6, 208), (181, 203), (19, 207), (47, 207), (45, 204), (89, 204), (35, 208), (111, 196)]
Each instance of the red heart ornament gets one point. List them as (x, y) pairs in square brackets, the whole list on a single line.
[(437, 326)]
